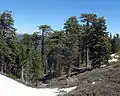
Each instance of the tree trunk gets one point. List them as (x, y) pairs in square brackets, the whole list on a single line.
[(79, 55), (87, 47), (45, 64), (22, 73), (79, 59), (69, 70), (2, 64), (87, 61), (42, 51), (58, 65)]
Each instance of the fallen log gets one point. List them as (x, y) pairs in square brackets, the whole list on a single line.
[(77, 70), (82, 68)]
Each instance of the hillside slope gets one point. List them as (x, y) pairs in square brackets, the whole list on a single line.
[(104, 81), (99, 82)]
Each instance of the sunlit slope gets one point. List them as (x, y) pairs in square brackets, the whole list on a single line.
[(9, 87)]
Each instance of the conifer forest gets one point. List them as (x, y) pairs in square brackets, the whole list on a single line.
[(83, 43)]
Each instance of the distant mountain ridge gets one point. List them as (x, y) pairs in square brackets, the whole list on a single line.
[(19, 36)]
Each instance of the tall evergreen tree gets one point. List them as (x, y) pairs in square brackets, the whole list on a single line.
[(56, 45), (73, 43), (44, 29), (115, 41), (87, 18), (7, 32), (100, 46)]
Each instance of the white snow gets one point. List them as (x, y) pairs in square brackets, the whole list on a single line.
[(9, 87), (93, 83), (67, 89), (114, 58), (112, 55), (102, 66)]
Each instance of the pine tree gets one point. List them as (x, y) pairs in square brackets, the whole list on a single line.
[(73, 43), (44, 29), (115, 41), (100, 46), (7, 32), (88, 19), (55, 45)]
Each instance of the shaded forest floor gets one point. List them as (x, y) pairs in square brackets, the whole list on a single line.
[(98, 82)]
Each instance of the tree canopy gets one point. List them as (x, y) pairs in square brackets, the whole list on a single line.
[(83, 42)]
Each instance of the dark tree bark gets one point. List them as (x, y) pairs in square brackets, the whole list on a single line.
[(87, 47), (79, 55)]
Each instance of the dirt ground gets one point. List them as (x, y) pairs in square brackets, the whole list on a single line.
[(98, 82)]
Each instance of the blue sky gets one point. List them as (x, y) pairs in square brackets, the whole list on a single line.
[(28, 14)]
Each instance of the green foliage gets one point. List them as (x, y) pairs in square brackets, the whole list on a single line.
[(30, 59), (12, 76), (97, 41), (115, 41), (54, 52), (7, 46), (73, 32), (54, 49), (44, 30)]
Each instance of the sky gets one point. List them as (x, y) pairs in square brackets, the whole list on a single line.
[(29, 14)]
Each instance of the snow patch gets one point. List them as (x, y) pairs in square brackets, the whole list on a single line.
[(114, 58), (112, 55), (102, 66), (9, 87), (67, 89), (93, 83)]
